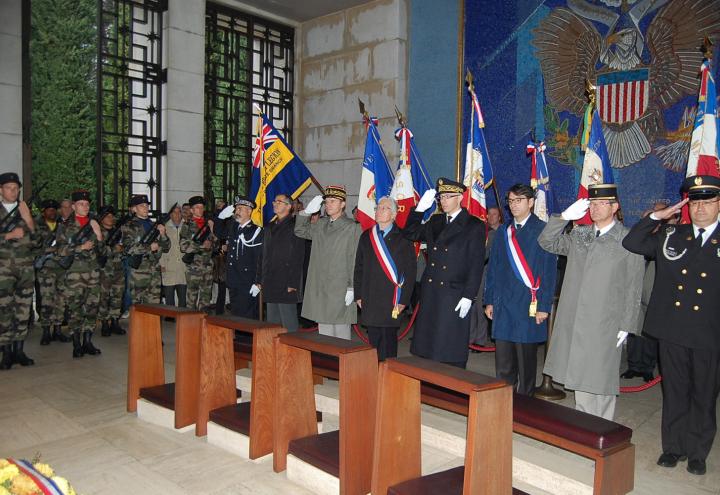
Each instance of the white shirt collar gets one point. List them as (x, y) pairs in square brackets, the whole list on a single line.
[(521, 224), (452, 217), (708, 231), (605, 229), (243, 225)]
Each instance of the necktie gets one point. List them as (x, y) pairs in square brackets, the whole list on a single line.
[(448, 219), (518, 226), (597, 233), (699, 238)]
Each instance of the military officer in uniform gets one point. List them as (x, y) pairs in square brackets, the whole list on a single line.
[(244, 250), (456, 257), (112, 277), (145, 280), (79, 240), (50, 276), (18, 248), (683, 314), (196, 242)]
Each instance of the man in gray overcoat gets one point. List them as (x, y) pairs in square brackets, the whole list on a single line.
[(329, 297), (599, 302)]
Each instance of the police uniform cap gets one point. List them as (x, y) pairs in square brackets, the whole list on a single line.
[(8, 177), (139, 199), (244, 201), (701, 186), (335, 191), (80, 195), (602, 191), (196, 200), (448, 186), (49, 203)]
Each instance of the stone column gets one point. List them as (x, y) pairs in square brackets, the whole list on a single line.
[(11, 86), (183, 111)]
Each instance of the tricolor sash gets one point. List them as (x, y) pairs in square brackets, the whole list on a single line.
[(46, 485), (388, 265), (521, 268)]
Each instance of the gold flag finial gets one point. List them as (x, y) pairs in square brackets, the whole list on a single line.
[(362, 108), (590, 91), (707, 48), (469, 80), (400, 117)]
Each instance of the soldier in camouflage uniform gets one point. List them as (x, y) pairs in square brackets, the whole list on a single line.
[(199, 273), (112, 277), (145, 280), (50, 276), (80, 240), (18, 248)]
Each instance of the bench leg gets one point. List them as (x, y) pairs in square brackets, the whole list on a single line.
[(615, 473)]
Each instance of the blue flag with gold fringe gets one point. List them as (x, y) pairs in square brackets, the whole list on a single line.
[(276, 169)]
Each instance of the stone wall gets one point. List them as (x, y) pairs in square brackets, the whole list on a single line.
[(356, 53), (11, 86)]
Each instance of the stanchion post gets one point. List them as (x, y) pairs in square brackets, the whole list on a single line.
[(546, 391)]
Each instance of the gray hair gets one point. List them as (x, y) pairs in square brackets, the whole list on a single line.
[(393, 204)]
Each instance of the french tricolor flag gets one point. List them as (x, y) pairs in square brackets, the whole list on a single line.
[(596, 165), (377, 176)]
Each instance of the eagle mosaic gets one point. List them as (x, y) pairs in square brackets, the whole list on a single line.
[(644, 58)]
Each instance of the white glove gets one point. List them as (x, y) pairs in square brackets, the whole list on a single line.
[(349, 297), (621, 336), (254, 290), (576, 210), (427, 200), (464, 306), (227, 212), (314, 205)]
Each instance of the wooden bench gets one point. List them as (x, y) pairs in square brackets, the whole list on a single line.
[(347, 453), (217, 395), (607, 443), (488, 451), (146, 370)]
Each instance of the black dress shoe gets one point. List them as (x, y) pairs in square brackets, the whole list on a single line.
[(630, 373), (696, 466), (648, 377), (670, 460)]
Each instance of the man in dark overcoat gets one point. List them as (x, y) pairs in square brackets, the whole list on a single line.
[(456, 255), (683, 314), (283, 256), (380, 253), (519, 313)]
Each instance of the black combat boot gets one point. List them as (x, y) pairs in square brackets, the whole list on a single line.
[(59, 336), (77, 347), (105, 330), (116, 328), (46, 338), (88, 347), (19, 355), (7, 357)]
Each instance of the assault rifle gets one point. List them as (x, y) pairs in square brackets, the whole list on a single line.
[(150, 237), (12, 219), (43, 258), (77, 240), (198, 237), (113, 237)]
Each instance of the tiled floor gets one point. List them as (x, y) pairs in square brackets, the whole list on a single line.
[(71, 412)]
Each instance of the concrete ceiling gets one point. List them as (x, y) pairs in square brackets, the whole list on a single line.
[(302, 10)]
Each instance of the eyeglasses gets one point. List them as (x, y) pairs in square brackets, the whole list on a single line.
[(448, 196), (515, 201), (702, 202), (281, 202)]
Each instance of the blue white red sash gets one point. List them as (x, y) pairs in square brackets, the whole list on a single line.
[(46, 485), (388, 265), (521, 268)]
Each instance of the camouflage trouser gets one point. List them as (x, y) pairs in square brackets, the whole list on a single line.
[(51, 280), (112, 287), (199, 286), (145, 286), (83, 289), (17, 282)]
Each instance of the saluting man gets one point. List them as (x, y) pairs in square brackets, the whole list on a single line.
[(683, 314), (456, 257)]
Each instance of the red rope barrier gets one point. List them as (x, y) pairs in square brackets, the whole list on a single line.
[(481, 348), (640, 388), (402, 334), (308, 329)]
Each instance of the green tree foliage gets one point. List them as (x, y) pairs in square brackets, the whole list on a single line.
[(63, 53)]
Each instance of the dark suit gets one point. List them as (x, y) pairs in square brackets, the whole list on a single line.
[(456, 256), (376, 291), (683, 314)]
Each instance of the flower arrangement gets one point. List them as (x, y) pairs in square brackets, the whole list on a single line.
[(21, 477)]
